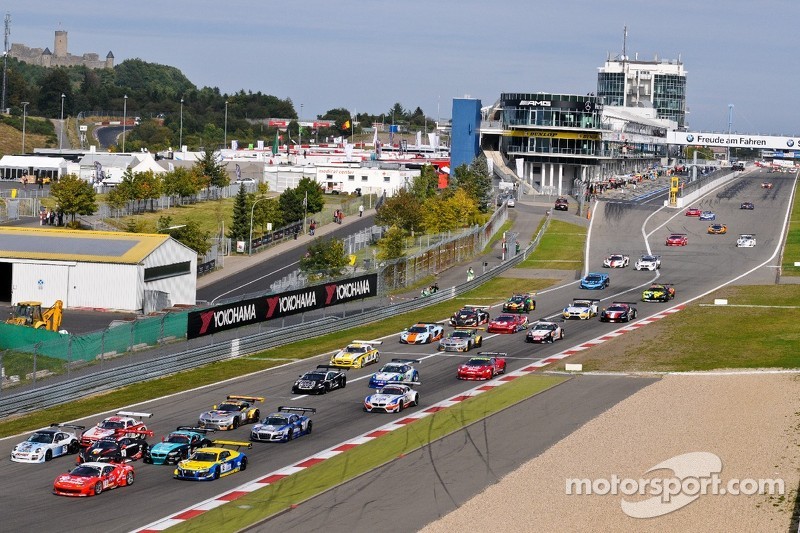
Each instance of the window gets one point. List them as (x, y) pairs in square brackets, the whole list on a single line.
[(167, 271), (364, 178), (387, 179), (351, 177)]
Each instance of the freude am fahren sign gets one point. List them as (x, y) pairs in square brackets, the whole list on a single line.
[(732, 140)]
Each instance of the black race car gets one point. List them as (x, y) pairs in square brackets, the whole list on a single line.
[(470, 316), (320, 380), (746, 205), (618, 312), (111, 450)]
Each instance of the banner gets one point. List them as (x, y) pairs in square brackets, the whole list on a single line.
[(264, 308)]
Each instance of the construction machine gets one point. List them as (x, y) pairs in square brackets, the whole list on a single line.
[(30, 314)]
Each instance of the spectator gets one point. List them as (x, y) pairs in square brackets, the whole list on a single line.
[(360, 210)]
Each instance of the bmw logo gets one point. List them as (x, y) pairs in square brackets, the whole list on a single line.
[(790, 143), (690, 138)]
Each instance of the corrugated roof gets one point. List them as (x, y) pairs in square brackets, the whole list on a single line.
[(74, 245)]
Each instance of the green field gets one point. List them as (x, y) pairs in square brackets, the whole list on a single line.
[(561, 248), (791, 250)]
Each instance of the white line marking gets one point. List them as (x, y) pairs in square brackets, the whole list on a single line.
[(254, 280)]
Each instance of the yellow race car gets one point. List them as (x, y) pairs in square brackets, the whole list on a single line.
[(213, 462), (357, 354)]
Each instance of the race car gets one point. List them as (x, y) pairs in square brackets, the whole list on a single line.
[(693, 212), (616, 261), (323, 379), (658, 292), (461, 340), (520, 303), (470, 316), (562, 204), (708, 215), (287, 424), (485, 366), (717, 229), (618, 312), (90, 479), (111, 450), (177, 446), (648, 262), (392, 398), (508, 324), (357, 354), (213, 462), (766, 185), (746, 240), (581, 308), (398, 371), (677, 239), (544, 331), (123, 424), (43, 445), (594, 281), (231, 414), (747, 205), (422, 333)]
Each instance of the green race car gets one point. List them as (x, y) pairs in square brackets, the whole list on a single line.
[(520, 303), (658, 292)]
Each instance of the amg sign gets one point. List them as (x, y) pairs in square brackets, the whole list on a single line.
[(255, 310)]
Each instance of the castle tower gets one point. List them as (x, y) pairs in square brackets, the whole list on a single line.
[(110, 60), (60, 44), (47, 58)]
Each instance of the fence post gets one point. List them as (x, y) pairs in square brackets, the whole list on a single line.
[(69, 355), (130, 344), (102, 347), (2, 373), (161, 331), (35, 352)]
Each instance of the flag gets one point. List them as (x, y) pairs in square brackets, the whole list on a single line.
[(275, 144), (238, 172), (346, 125)]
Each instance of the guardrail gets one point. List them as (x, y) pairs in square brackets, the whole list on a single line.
[(109, 379)]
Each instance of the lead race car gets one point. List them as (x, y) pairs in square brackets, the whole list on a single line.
[(398, 371), (461, 340), (581, 308), (46, 443), (422, 333), (232, 413), (287, 424), (123, 424), (357, 354), (392, 398)]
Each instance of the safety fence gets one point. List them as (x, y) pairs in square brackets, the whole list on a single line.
[(244, 342)]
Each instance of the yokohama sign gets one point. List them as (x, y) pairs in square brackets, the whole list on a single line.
[(254, 310)]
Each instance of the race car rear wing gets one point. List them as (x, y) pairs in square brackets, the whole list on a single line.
[(492, 354), (193, 428), (475, 306), (123, 431), (403, 383), (134, 414), (233, 443), (366, 342), (329, 367), (70, 426), (293, 409), (246, 398), (590, 300), (467, 328), (395, 360), (626, 303)]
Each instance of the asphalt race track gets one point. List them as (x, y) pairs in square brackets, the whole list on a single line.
[(707, 261)]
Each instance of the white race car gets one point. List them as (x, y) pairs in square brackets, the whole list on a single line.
[(422, 333), (544, 331), (397, 370), (123, 424), (648, 262), (616, 261), (392, 398), (43, 445), (746, 240), (581, 308)]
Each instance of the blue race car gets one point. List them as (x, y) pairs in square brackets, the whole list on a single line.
[(594, 280), (397, 370), (213, 462), (287, 424), (708, 215), (177, 446)]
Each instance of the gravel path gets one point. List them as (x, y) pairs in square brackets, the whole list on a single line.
[(749, 420)]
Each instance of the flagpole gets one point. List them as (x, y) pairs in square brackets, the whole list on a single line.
[(305, 212)]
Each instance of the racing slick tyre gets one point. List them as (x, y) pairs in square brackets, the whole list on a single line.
[(635, 313), (243, 464), (308, 428), (98, 488), (561, 335), (480, 342), (357, 364), (326, 388), (48, 455), (256, 416), (216, 473), (118, 458), (73, 447), (400, 407), (344, 382), (416, 400), (129, 479), (236, 422), (290, 435)]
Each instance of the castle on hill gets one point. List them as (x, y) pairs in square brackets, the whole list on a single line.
[(59, 57)]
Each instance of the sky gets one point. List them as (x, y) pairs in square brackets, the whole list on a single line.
[(366, 55)]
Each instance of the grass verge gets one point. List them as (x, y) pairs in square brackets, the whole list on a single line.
[(561, 248), (708, 337), (263, 503), (493, 291), (791, 248)]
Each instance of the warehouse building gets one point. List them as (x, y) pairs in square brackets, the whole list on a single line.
[(96, 269)]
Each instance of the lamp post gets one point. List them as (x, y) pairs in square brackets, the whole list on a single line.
[(124, 119), (250, 242), (730, 123), (61, 133), (24, 118), (225, 139), (180, 135)]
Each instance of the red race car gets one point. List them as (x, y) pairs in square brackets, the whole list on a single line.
[(508, 324), (766, 185), (90, 479), (486, 366), (677, 239), (693, 212)]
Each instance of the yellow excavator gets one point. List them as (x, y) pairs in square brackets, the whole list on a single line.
[(30, 314)]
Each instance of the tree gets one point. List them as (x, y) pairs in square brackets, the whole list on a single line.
[(291, 200), (189, 234), (403, 210), (240, 227), (456, 211), (181, 182), (703, 152), (475, 181), (74, 196), (324, 257), (213, 171), (393, 244), (426, 184)]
